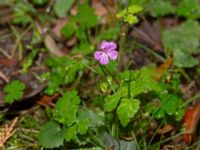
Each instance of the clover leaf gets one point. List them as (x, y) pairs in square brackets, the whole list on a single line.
[(14, 91)]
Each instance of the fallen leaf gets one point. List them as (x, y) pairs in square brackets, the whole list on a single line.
[(161, 70), (190, 121), (167, 128), (100, 10), (60, 23), (47, 100)]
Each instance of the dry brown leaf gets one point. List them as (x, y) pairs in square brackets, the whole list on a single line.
[(47, 100), (165, 129), (100, 10), (190, 121), (60, 23), (161, 70), (49, 42)]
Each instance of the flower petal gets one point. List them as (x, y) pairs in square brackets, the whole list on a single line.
[(98, 55), (104, 45), (113, 54), (104, 60), (112, 46)]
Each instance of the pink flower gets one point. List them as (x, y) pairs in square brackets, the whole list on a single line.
[(107, 50)]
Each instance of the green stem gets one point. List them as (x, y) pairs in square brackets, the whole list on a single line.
[(122, 42), (150, 51), (102, 68), (190, 100), (135, 139)]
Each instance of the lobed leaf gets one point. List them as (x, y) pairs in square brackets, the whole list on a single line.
[(111, 102), (127, 109), (52, 135), (67, 107), (14, 91)]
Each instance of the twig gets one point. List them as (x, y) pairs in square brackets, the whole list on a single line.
[(4, 77), (5, 54)]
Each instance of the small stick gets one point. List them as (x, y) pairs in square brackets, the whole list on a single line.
[(5, 54), (4, 77)]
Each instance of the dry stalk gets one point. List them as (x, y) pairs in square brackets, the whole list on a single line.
[(7, 131)]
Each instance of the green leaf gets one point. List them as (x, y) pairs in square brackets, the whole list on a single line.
[(143, 82), (68, 30), (169, 104), (22, 13), (110, 33), (51, 135), (71, 133), (29, 60), (14, 91), (189, 9), (67, 107), (131, 19), (39, 2), (128, 14), (86, 16), (63, 72), (143, 85), (161, 8), (96, 119), (83, 126), (61, 7), (111, 102), (127, 109), (83, 48), (183, 42), (179, 114)]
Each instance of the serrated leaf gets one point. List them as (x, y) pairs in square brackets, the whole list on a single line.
[(183, 42), (143, 84), (127, 109), (83, 126), (51, 135), (111, 102), (71, 133), (61, 7), (67, 107), (14, 91)]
